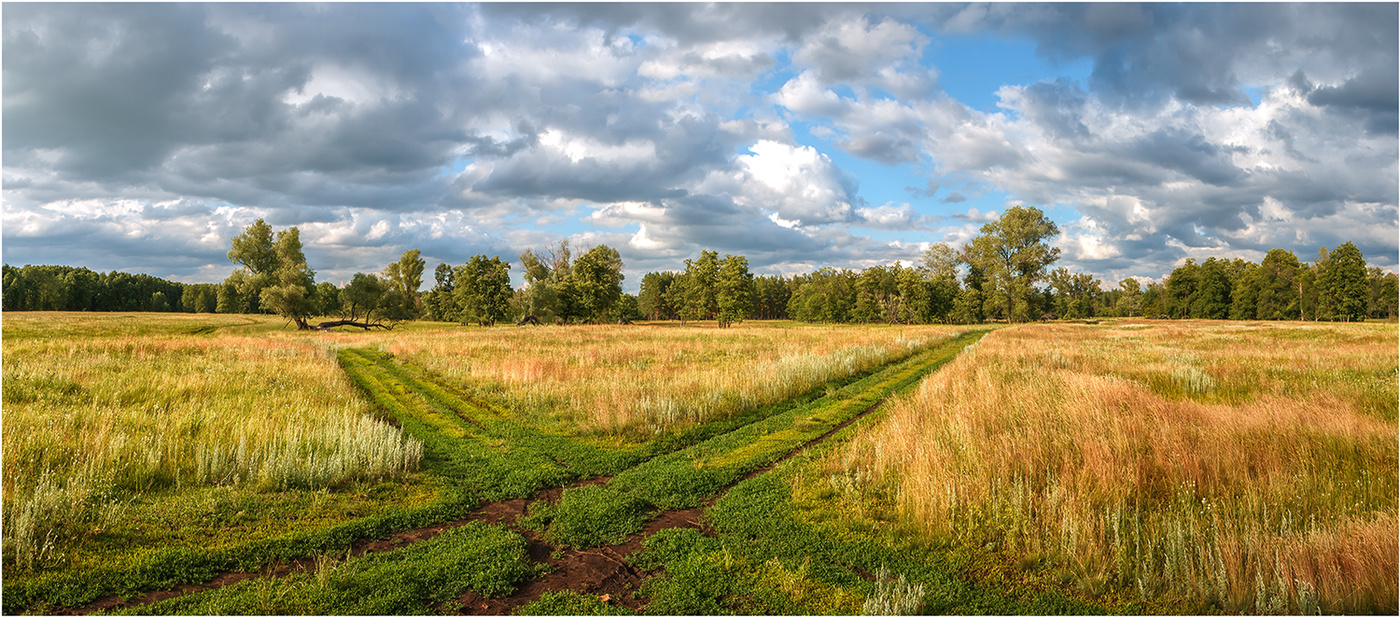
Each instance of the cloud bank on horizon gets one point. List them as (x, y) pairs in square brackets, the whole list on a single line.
[(144, 137)]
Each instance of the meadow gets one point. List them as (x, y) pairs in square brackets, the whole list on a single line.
[(1122, 467), (103, 412), (635, 382), (127, 436), (1238, 467)]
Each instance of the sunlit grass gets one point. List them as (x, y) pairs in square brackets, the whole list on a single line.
[(99, 409), (638, 381), (1250, 467)]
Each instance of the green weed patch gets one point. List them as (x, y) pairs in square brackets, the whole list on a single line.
[(569, 602), (426, 577), (590, 516), (168, 568)]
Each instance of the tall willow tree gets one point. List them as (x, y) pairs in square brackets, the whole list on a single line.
[(406, 276), (275, 272)]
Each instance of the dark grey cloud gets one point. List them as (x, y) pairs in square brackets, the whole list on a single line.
[(1200, 53), (106, 86), (1187, 153), (460, 129), (890, 149), (195, 96), (1373, 95), (688, 23), (1058, 107)]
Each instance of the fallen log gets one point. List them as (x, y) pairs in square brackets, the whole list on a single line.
[(326, 325)]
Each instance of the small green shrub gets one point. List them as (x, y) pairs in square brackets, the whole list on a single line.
[(570, 602), (595, 515)]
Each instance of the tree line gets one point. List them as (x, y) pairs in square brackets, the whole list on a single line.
[(1002, 274), (1337, 286), (66, 288)]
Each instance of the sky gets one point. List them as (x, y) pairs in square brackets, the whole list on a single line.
[(142, 138)]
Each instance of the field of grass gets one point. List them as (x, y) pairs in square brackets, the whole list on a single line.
[(770, 548), (105, 416), (634, 382), (1122, 467), (145, 451), (1238, 467)]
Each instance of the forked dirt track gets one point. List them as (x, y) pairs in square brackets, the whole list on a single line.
[(604, 572)]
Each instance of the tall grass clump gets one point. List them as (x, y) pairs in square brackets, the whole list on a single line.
[(1247, 469), (643, 380), (91, 422), (894, 596)]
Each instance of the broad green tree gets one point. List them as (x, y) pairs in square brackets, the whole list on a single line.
[(1181, 288), (441, 301), (1385, 293), (1343, 284), (1278, 286), (254, 249), (482, 290), (1014, 252), (597, 284), (940, 261), (1212, 297), (968, 307), (915, 295), (327, 299), (697, 290), (1073, 293), (733, 290), (652, 300), (1129, 303), (546, 281), (361, 297)]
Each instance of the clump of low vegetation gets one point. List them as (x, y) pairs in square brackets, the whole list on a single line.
[(1241, 467), (894, 595)]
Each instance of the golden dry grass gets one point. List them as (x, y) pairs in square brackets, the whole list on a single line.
[(1246, 466), (94, 414), (637, 381)]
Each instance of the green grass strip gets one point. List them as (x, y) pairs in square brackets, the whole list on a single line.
[(427, 577), (169, 568)]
